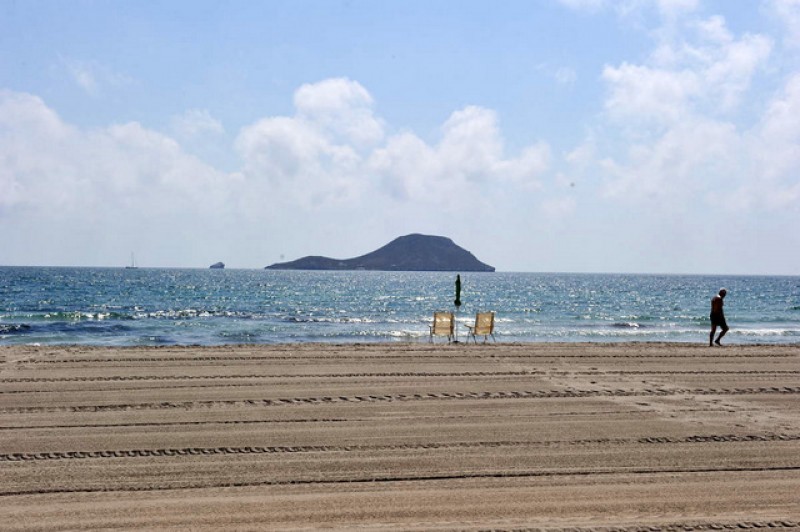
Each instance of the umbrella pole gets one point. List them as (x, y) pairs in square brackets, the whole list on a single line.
[(455, 333), (457, 303)]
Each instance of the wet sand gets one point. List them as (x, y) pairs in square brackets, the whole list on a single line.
[(400, 437)]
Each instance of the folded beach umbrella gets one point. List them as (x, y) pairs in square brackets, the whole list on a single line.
[(457, 302)]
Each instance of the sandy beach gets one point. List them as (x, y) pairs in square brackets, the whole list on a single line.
[(400, 437)]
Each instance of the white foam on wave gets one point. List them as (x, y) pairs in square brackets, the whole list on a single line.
[(766, 332)]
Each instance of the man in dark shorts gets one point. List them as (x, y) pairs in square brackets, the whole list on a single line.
[(717, 318)]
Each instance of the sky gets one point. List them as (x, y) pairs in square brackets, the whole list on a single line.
[(625, 136)]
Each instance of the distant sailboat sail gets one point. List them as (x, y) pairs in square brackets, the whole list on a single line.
[(133, 265)]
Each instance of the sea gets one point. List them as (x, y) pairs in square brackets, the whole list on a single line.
[(154, 307)]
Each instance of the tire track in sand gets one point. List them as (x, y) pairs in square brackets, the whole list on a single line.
[(210, 451), (437, 396), (398, 478)]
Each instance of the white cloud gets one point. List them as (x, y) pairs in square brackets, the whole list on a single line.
[(694, 142), (288, 160), (28, 133), (563, 75), (676, 169), (583, 155), (341, 107), (566, 76), (677, 139), (196, 122), (788, 13), (643, 94), (714, 29), (671, 9), (729, 72), (584, 5), (525, 170), (776, 153), (472, 150), (54, 169), (289, 164), (709, 74), (83, 76), (406, 168), (317, 155), (557, 208), (92, 77), (330, 151), (468, 161), (470, 144)]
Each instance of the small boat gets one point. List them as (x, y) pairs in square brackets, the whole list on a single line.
[(133, 265)]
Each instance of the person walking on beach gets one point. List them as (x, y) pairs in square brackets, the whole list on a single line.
[(717, 318)]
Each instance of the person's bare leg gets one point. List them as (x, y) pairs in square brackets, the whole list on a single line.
[(721, 334), (711, 336)]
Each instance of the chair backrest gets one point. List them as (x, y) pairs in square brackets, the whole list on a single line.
[(443, 323), (484, 323)]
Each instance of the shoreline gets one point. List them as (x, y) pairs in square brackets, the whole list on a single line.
[(409, 436), (406, 344)]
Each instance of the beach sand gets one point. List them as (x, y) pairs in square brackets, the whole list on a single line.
[(400, 436)]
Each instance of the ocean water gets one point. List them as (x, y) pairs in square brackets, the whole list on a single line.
[(125, 307)]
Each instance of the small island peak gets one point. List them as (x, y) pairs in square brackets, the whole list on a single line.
[(413, 252)]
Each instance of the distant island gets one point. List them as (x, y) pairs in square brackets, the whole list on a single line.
[(217, 266), (407, 253)]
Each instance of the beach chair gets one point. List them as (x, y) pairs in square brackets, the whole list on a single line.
[(443, 324), (484, 326)]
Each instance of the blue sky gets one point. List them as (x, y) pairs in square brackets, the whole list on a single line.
[(552, 135)]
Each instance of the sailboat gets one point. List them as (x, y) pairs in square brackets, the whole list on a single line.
[(133, 265)]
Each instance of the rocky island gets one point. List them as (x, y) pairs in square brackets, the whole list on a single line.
[(407, 253), (217, 266)]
